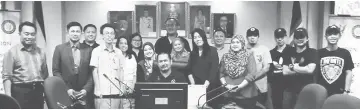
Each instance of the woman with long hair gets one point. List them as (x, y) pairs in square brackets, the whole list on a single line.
[(136, 43), (129, 68), (238, 69), (203, 63), (148, 64)]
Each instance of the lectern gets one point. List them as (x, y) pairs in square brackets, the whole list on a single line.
[(161, 95)]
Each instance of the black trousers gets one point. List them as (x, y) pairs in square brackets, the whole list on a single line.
[(29, 96), (277, 94)]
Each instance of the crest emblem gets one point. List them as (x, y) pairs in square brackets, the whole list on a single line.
[(252, 29), (331, 68), (8, 26)]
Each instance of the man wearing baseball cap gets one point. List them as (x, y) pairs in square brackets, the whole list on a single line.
[(263, 61), (336, 64), (299, 71), (280, 53)]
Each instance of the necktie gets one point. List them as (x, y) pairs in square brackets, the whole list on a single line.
[(75, 51)]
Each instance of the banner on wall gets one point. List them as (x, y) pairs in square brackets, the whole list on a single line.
[(9, 36), (350, 40)]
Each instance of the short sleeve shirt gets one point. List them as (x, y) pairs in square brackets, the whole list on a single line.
[(262, 57), (333, 66), (109, 62)]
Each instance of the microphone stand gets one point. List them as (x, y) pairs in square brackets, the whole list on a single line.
[(218, 96), (127, 87), (116, 87), (211, 92)]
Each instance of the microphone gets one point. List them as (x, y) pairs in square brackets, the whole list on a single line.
[(62, 106), (218, 96), (211, 92), (117, 88), (124, 84)]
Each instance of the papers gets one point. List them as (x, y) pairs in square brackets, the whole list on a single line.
[(194, 92)]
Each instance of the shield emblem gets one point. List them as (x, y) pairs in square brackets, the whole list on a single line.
[(331, 68)]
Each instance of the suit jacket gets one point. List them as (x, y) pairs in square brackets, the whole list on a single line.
[(63, 66)]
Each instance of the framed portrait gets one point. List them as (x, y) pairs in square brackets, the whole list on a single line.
[(224, 21), (175, 10), (123, 21), (146, 17), (200, 18)]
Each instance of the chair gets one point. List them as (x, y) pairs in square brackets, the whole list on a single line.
[(56, 93), (7, 102), (341, 101), (312, 96)]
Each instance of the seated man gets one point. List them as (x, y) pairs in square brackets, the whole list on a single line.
[(165, 73)]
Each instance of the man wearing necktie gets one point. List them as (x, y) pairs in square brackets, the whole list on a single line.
[(223, 25), (71, 63)]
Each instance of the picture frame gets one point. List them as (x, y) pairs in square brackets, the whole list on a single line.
[(230, 24), (123, 22), (146, 26), (203, 20), (176, 10)]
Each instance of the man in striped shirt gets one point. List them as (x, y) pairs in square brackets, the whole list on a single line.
[(24, 70)]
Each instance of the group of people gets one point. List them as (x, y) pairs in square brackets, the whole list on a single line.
[(250, 71)]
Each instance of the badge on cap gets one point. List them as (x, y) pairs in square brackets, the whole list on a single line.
[(333, 26), (279, 30), (252, 29)]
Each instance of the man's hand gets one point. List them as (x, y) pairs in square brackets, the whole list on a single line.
[(229, 86), (71, 93), (81, 94)]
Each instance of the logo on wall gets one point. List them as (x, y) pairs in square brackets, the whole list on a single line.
[(331, 68), (356, 31), (8, 26)]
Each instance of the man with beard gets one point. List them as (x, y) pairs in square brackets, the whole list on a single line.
[(24, 70), (336, 64), (164, 43), (278, 55), (90, 36), (166, 74), (262, 60), (298, 72), (71, 63)]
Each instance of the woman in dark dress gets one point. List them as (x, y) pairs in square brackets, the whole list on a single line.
[(204, 64)]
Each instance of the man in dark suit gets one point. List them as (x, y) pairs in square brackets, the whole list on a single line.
[(71, 63), (223, 24)]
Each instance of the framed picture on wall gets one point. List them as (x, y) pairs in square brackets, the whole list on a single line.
[(175, 10), (224, 21), (123, 21), (200, 18), (146, 17)]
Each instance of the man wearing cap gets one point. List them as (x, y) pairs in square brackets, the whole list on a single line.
[(299, 70), (336, 64), (278, 55), (263, 61)]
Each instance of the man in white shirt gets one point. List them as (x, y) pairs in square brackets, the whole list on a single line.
[(146, 24), (263, 60), (107, 62)]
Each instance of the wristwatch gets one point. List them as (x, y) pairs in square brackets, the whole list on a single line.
[(347, 91)]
